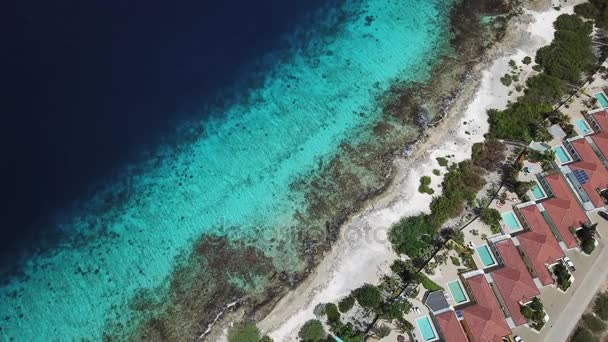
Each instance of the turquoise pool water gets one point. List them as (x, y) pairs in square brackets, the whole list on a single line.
[(426, 328), (601, 98), (511, 221), (457, 292), (538, 192), (561, 154), (485, 255), (241, 176), (582, 126)]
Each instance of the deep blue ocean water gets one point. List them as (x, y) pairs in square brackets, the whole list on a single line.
[(135, 128), (87, 86)]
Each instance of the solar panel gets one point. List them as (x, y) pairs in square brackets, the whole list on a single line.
[(581, 176)]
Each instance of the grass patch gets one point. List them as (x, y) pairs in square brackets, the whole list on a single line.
[(428, 284)]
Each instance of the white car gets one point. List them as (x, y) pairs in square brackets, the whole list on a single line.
[(516, 338), (569, 264)]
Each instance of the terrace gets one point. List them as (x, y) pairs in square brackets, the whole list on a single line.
[(513, 281), (563, 209)]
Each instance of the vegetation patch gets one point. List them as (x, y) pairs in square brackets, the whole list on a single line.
[(562, 276), (428, 284), (593, 323), (346, 303), (562, 62), (424, 188), (442, 161), (586, 236), (491, 217), (312, 331), (415, 235), (600, 306), (534, 312), (247, 333)]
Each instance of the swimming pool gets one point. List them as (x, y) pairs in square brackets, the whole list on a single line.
[(602, 99), (511, 221), (582, 126), (485, 255), (426, 329), (538, 192), (561, 154), (457, 292)]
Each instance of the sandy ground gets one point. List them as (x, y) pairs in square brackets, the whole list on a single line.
[(363, 254)]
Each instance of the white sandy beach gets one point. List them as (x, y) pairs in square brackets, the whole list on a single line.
[(364, 253)]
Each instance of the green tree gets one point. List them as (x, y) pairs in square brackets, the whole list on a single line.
[(490, 216), (369, 297), (312, 331), (346, 303), (333, 315), (527, 60)]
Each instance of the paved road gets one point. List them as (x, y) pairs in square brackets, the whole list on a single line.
[(598, 272)]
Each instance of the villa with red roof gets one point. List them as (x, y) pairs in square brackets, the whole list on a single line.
[(484, 320), (600, 139), (450, 327), (539, 244), (513, 280), (590, 172), (564, 209)]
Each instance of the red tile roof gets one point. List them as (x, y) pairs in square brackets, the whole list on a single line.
[(601, 139), (564, 210), (513, 280), (539, 244), (484, 319), (593, 167), (450, 327)]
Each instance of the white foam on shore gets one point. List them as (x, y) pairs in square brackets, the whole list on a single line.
[(355, 260)]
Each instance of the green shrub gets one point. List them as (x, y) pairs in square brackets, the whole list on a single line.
[(436, 172), (425, 181), (442, 161), (382, 331), (346, 303), (593, 323), (527, 60), (506, 80), (455, 261), (582, 335), (312, 331), (600, 306), (244, 333)]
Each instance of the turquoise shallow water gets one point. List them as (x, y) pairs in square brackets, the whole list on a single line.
[(233, 179)]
